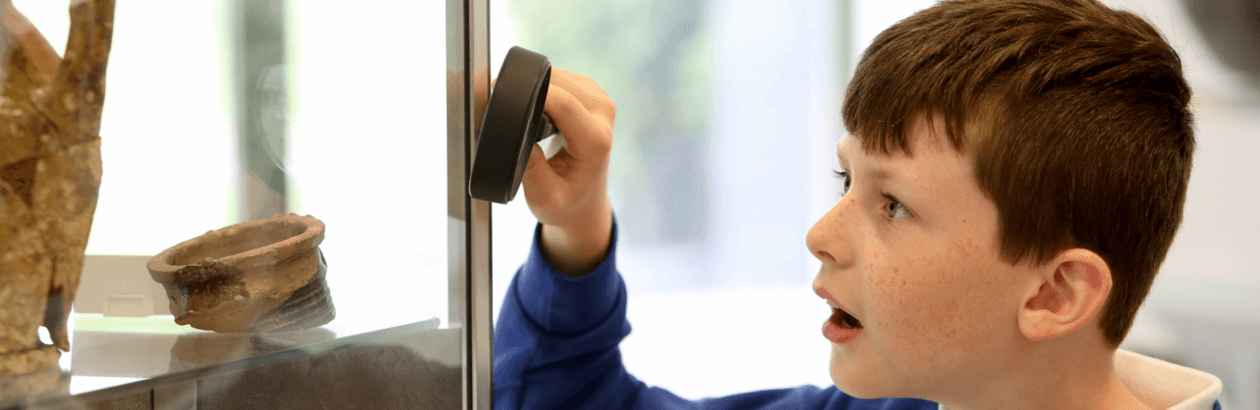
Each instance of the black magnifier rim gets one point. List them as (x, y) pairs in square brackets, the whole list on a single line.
[(514, 118)]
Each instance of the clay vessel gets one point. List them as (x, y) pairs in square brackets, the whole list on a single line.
[(50, 174), (259, 276)]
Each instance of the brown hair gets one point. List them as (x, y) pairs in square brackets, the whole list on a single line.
[(1086, 138)]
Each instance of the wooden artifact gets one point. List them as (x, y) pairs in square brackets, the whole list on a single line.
[(50, 170), (259, 276)]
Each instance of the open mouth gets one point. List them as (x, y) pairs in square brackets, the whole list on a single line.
[(844, 319)]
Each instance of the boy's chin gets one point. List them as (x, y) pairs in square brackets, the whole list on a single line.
[(856, 390), (856, 382)]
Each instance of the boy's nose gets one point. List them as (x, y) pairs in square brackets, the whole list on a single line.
[(826, 240)]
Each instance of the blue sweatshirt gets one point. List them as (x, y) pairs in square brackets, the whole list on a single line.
[(555, 347)]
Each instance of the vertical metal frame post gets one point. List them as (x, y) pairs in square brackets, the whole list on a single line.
[(261, 97), (468, 232)]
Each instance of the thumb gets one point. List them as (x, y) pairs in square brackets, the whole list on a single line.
[(541, 183)]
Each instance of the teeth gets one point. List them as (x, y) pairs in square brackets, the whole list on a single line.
[(833, 305)]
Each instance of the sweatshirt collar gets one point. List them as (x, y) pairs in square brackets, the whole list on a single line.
[(1164, 385)]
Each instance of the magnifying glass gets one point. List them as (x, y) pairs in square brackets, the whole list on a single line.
[(514, 122)]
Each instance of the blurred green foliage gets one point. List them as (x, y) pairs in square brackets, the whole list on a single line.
[(653, 58)]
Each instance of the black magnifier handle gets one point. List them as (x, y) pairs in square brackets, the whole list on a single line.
[(548, 129), (513, 123)]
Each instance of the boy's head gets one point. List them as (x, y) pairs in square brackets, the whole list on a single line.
[(1039, 153)]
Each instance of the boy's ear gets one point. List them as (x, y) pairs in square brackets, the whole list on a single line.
[(1064, 295)]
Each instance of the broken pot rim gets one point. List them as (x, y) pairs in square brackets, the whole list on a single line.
[(163, 271)]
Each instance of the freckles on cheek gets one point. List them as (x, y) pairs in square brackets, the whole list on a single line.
[(919, 307), (891, 300)]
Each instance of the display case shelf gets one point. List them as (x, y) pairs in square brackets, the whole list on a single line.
[(148, 363)]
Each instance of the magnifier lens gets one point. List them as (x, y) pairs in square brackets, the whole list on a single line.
[(514, 121)]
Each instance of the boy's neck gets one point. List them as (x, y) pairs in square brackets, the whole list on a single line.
[(1056, 376)]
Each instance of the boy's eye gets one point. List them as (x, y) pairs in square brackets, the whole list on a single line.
[(844, 181), (895, 209)]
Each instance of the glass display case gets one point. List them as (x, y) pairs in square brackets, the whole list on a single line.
[(221, 114)]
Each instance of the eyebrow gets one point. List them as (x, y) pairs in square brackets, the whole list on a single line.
[(878, 173)]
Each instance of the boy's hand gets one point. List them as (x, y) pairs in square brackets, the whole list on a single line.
[(569, 192)]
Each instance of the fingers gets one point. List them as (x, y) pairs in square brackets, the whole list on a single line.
[(587, 136), (588, 92), (568, 79), (569, 192), (541, 183)]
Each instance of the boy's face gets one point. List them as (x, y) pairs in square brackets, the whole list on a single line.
[(911, 251)]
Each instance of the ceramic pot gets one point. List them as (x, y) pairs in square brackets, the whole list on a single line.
[(258, 276)]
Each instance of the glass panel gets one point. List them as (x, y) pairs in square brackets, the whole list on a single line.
[(227, 112)]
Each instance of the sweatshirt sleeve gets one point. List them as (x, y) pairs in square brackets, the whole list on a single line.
[(555, 346)]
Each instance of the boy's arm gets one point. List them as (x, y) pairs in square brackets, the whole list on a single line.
[(556, 339), (564, 312)]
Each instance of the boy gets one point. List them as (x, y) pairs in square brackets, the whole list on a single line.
[(1014, 176)]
